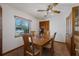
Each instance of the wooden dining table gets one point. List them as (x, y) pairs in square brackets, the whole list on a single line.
[(41, 42)]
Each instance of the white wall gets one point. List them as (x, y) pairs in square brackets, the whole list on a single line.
[(9, 40), (58, 22), (58, 25)]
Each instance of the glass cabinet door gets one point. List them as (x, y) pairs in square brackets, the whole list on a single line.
[(77, 22)]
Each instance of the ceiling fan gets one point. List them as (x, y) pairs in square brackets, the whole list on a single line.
[(50, 9)]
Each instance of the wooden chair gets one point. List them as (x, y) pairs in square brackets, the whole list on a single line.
[(50, 46), (46, 34), (29, 49), (33, 33)]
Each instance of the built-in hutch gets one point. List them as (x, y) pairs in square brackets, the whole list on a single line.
[(75, 30)]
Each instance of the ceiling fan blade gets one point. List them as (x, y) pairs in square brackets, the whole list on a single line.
[(56, 11), (50, 6), (55, 4), (41, 10)]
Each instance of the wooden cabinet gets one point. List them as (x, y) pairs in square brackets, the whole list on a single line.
[(76, 20), (75, 28), (72, 30)]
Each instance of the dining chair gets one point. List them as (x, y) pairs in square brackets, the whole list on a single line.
[(50, 45), (46, 34), (33, 33), (29, 49)]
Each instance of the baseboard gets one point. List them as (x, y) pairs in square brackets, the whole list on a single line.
[(12, 50), (60, 42)]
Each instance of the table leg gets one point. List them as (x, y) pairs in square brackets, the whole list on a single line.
[(40, 51)]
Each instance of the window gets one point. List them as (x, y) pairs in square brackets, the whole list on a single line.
[(22, 26)]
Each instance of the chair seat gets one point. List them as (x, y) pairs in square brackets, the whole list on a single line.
[(48, 46), (36, 51)]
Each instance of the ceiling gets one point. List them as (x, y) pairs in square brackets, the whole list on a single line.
[(31, 8)]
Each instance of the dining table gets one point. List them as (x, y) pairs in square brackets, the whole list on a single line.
[(41, 42)]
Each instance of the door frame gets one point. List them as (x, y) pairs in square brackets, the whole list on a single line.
[(69, 32), (45, 21), (1, 31)]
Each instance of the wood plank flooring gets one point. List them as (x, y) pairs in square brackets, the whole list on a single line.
[(60, 49)]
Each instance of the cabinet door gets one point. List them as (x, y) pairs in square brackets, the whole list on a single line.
[(76, 21)]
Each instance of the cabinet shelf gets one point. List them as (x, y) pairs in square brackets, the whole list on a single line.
[(77, 25), (76, 33), (76, 20)]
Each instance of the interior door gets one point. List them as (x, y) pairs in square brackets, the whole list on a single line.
[(44, 24), (0, 31)]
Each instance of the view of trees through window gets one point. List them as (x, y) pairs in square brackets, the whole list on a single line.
[(22, 26)]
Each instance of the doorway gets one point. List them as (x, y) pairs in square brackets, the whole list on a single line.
[(44, 25), (0, 31)]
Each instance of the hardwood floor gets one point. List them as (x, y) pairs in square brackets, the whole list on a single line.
[(60, 49)]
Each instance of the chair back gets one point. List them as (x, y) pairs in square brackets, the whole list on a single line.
[(53, 38), (33, 33), (47, 34), (27, 46)]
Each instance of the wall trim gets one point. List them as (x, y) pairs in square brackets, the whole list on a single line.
[(60, 42)]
